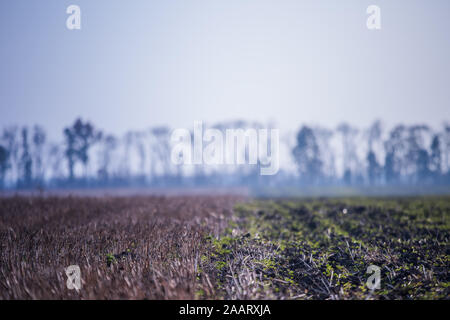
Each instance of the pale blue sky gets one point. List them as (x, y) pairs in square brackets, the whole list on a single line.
[(140, 63)]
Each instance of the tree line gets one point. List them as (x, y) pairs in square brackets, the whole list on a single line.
[(314, 155)]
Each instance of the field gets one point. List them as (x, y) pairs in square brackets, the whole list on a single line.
[(224, 247)]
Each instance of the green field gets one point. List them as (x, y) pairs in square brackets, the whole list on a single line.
[(321, 249)]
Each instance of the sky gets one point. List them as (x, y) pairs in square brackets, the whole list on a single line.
[(142, 63)]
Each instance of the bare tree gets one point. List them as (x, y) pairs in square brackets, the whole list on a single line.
[(436, 157), (307, 156), (328, 156), (161, 150), (108, 145), (54, 161), (446, 142), (79, 138), (348, 134), (4, 157), (417, 156), (11, 140), (39, 138), (26, 163), (373, 165), (396, 150)]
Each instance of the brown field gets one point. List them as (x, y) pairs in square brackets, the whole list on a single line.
[(126, 247)]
